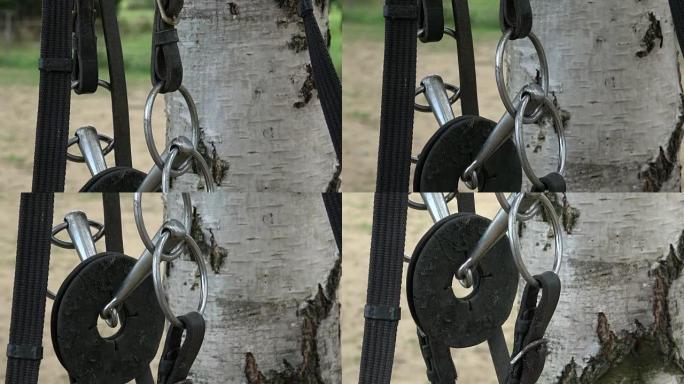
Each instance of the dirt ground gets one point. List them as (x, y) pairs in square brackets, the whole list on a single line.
[(17, 132), (362, 90), (62, 260), (473, 365)]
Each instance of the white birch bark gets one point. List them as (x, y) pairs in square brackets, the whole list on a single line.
[(274, 270), (246, 65), (614, 74), (620, 318)]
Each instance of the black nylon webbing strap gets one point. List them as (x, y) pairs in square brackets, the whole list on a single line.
[(117, 80), (399, 78), (466, 58), (85, 47), (333, 207), (326, 79), (30, 287), (384, 286), (52, 128), (391, 203), (677, 9)]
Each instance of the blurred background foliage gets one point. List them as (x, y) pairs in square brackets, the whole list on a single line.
[(363, 19), (20, 38)]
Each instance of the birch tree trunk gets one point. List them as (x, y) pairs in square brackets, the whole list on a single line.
[(247, 66), (620, 318), (272, 313), (615, 76)]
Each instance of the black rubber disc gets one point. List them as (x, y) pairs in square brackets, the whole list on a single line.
[(116, 179), (460, 322), (453, 148), (87, 356)]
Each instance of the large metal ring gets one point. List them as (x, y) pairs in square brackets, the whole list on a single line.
[(162, 12), (142, 230), (515, 240), (147, 127), (80, 159), (452, 99), (506, 206), (100, 83), (423, 207), (157, 278), (520, 141), (174, 150), (500, 81), (68, 244)]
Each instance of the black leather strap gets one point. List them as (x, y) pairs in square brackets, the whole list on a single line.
[(516, 15), (430, 20), (167, 67), (177, 358), (466, 58), (85, 72), (112, 220), (533, 319), (117, 80)]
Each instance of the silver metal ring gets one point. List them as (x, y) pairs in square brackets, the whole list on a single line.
[(80, 159), (69, 245), (514, 240), (157, 278), (147, 127), (199, 162), (423, 207), (500, 81), (100, 83), (506, 206), (452, 99), (165, 17), (142, 230), (520, 141)]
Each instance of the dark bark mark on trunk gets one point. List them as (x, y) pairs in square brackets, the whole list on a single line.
[(298, 43), (633, 355), (208, 246), (219, 167), (306, 91), (335, 182), (313, 313), (568, 214), (653, 33), (657, 172), (291, 7)]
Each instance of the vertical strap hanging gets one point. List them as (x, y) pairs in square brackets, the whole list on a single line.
[(326, 79), (49, 164), (25, 349)]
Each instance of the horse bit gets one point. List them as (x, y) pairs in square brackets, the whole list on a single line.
[(485, 256), (118, 289)]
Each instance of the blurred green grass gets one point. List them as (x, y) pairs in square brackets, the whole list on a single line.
[(364, 19), (19, 60)]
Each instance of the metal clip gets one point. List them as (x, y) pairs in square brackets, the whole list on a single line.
[(88, 140)]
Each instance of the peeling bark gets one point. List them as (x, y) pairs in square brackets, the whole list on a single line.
[(618, 320), (614, 68)]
